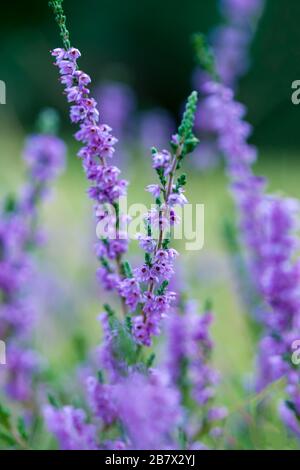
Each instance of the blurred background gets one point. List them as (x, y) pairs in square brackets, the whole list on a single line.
[(140, 57), (147, 45)]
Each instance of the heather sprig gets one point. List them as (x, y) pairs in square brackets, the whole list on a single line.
[(269, 231), (61, 21), (148, 290), (106, 186), (44, 155), (226, 61), (232, 39), (154, 417), (188, 361)]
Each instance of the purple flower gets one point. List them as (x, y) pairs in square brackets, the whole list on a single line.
[(189, 342), (100, 400), (70, 428), (45, 156), (289, 418), (98, 145), (162, 160), (155, 126), (217, 413), (177, 199), (117, 103), (151, 415), (129, 289), (23, 366), (108, 280), (154, 189), (147, 243), (241, 10)]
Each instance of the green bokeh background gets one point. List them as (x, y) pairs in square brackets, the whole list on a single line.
[(148, 45)]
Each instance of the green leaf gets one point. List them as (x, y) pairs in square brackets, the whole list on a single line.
[(181, 181), (60, 18), (100, 376), (150, 361), (166, 243), (7, 438), (187, 142), (123, 345), (10, 204), (183, 440), (21, 426), (53, 401), (128, 321), (204, 55), (148, 259), (162, 289), (5, 417), (126, 270), (208, 305)]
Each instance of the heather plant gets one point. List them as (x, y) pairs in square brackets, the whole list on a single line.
[(230, 43), (44, 156), (151, 382), (132, 404), (268, 225)]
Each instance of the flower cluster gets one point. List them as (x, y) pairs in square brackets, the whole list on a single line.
[(151, 417), (147, 417), (106, 186), (232, 40), (149, 285), (230, 43), (71, 429), (269, 227), (44, 156), (189, 349)]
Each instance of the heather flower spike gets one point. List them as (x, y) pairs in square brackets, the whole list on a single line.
[(269, 233), (44, 156), (150, 418), (106, 186)]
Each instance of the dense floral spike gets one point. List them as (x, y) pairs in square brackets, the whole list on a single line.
[(269, 229), (228, 61), (44, 156), (106, 186), (149, 288), (231, 41), (149, 419), (70, 428), (188, 353), (151, 415)]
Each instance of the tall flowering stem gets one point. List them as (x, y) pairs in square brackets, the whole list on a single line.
[(231, 40), (230, 44), (44, 155), (149, 419), (147, 291), (106, 186), (269, 226), (188, 357)]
